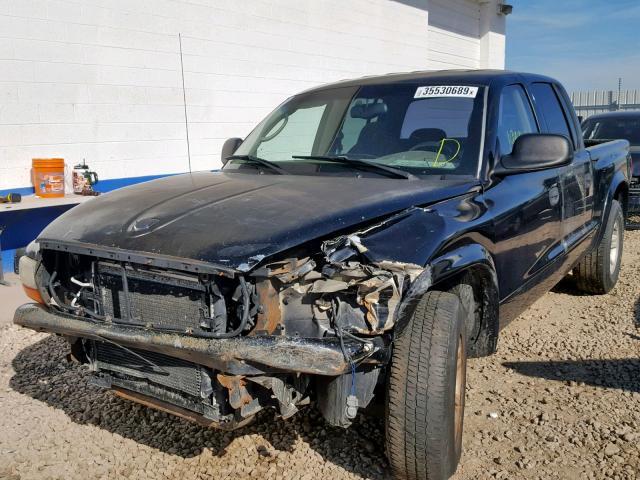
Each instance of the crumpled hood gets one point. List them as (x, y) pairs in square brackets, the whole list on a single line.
[(237, 219)]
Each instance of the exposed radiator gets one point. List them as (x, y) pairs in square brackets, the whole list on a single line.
[(156, 301), (154, 367)]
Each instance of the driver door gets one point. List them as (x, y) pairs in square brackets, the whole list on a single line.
[(527, 211)]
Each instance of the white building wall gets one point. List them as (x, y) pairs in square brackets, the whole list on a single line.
[(100, 80), (454, 34), (492, 36)]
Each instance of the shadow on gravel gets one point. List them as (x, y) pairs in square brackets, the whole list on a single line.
[(636, 314), (43, 374), (623, 374), (568, 286)]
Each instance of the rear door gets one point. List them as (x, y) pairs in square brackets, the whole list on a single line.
[(576, 179)]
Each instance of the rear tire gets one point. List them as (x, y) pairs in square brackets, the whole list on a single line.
[(598, 271), (426, 391)]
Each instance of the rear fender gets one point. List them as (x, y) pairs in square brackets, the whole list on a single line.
[(618, 184)]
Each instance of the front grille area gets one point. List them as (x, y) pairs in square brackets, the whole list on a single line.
[(155, 301), (152, 367), (147, 296)]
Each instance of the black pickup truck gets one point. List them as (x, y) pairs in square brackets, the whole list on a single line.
[(356, 247), (605, 127)]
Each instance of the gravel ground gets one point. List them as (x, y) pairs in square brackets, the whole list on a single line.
[(560, 399)]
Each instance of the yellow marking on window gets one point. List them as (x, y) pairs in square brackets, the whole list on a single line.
[(447, 160)]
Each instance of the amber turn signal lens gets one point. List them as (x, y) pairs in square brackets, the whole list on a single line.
[(33, 294), (28, 267)]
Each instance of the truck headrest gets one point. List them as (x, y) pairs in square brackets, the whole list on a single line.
[(427, 135)]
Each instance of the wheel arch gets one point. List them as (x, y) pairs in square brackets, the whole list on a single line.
[(472, 264), (474, 267), (618, 190), (621, 194)]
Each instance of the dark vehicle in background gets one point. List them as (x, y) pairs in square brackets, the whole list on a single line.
[(615, 125), (363, 241)]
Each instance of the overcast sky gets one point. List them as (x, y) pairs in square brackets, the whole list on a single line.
[(586, 44)]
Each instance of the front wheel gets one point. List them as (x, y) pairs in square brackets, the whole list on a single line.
[(426, 391), (598, 271)]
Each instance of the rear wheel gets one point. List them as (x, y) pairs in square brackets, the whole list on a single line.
[(426, 390), (598, 271)]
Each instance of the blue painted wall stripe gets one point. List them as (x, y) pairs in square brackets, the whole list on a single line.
[(21, 191), (7, 260), (22, 226), (102, 186)]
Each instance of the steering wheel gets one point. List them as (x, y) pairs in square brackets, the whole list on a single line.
[(283, 123), (447, 148)]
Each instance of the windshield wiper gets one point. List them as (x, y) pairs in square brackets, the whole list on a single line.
[(356, 162), (260, 161)]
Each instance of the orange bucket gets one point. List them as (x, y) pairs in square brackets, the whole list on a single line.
[(47, 175)]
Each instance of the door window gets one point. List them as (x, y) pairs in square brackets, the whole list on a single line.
[(292, 135), (548, 104), (515, 117)]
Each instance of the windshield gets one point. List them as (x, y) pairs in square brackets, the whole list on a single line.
[(613, 129), (422, 129)]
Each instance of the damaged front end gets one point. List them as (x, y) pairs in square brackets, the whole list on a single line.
[(339, 291), (217, 345)]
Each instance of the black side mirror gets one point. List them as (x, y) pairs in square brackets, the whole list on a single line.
[(535, 151), (229, 148)]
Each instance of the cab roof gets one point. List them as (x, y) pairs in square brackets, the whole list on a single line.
[(618, 114), (454, 77)]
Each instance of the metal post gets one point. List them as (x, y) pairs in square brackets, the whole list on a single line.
[(2, 280), (619, 90), (184, 101), (612, 104)]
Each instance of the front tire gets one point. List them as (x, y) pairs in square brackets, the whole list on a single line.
[(598, 271), (426, 391)]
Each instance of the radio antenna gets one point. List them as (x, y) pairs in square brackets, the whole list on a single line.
[(184, 102)]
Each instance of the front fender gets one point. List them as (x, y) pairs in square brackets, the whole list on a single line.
[(471, 256), (445, 238), (462, 258)]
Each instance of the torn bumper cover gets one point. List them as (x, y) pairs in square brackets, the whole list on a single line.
[(247, 355)]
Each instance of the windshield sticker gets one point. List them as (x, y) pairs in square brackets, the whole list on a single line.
[(446, 91)]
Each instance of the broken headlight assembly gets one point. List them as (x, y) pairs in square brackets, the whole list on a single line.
[(28, 267), (341, 291)]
